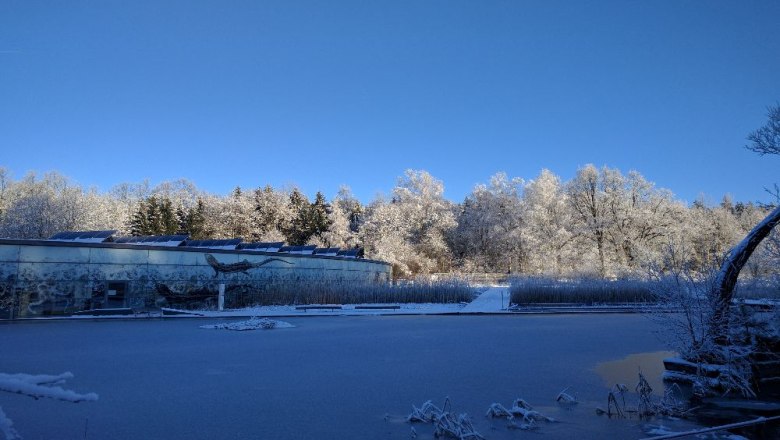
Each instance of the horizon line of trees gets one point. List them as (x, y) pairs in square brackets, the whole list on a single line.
[(600, 223)]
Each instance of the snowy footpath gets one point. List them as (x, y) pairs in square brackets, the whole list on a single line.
[(495, 299)]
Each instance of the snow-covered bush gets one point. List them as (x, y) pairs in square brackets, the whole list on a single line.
[(689, 332)]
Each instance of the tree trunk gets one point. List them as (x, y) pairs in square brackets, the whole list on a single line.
[(732, 265)]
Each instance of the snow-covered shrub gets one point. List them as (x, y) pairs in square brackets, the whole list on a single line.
[(723, 364)]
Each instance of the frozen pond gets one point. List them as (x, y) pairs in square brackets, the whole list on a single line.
[(327, 378)]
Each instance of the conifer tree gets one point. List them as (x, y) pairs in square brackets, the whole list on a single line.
[(139, 223), (181, 221), (299, 230), (196, 221), (168, 222), (153, 216), (318, 216)]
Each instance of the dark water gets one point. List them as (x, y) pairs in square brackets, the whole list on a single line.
[(327, 378), (626, 371)]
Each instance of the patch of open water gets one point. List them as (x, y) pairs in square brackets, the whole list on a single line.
[(626, 370)]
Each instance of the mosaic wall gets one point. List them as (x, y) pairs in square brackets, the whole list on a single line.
[(40, 280)]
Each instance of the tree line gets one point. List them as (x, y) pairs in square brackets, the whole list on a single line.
[(601, 223)]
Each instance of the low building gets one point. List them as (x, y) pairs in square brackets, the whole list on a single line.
[(96, 269)]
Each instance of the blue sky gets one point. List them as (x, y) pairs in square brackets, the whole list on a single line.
[(320, 94)]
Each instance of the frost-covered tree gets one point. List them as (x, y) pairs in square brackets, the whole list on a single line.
[(212, 214), (587, 194), (489, 235), (715, 230), (5, 182), (272, 214), (625, 218), (548, 226), (385, 237), (39, 207), (180, 192), (641, 217), (126, 198), (236, 215), (345, 217), (766, 140), (410, 230)]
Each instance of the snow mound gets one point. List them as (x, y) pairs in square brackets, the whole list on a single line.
[(254, 323)]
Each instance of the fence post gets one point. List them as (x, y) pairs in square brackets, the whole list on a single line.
[(221, 302)]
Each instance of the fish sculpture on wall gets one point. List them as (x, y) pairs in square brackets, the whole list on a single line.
[(241, 266)]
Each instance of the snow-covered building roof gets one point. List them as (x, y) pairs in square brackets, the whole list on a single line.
[(152, 240), (328, 251), (303, 250), (230, 243), (261, 246), (351, 253), (83, 236), (184, 241)]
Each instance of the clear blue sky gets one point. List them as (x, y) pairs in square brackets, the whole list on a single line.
[(320, 93)]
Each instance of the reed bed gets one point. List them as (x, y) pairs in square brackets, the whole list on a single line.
[(758, 289), (450, 291), (583, 291)]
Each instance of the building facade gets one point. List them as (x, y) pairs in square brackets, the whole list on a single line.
[(46, 277)]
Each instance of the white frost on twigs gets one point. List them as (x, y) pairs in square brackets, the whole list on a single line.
[(445, 423), (498, 410), (425, 413), (520, 408), (42, 385), (564, 398), (254, 323)]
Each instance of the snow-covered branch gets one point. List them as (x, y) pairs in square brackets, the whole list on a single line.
[(37, 386), (43, 385)]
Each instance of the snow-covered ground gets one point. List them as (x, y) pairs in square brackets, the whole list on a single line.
[(348, 377), (493, 300)]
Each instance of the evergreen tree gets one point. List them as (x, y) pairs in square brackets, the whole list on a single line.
[(153, 216), (318, 216), (182, 226), (299, 230), (168, 221), (196, 221), (139, 223)]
